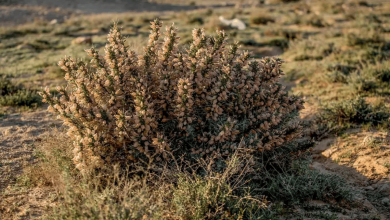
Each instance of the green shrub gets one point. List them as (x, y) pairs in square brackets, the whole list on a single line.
[(309, 49), (304, 19), (345, 69), (170, 194), (6, 87), (336, 77), (371, 38), (295, 189), (362, 84), (216, 196), (257, 18), (20, 98), (339, 73), (203, 103), (288, 34), (367, 54), (371, 78), (356, 111), (122, 198), (11, 95), (379, 71), (279, 42), (195, 20)]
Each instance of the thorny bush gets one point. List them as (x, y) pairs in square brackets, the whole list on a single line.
[(205, 102)]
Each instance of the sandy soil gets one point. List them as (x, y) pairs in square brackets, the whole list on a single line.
[(362, 159), (18, 135)]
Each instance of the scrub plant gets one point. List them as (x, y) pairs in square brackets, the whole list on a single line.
[(205, 102)]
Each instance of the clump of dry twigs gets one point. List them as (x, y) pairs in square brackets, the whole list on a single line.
[(205, 102)]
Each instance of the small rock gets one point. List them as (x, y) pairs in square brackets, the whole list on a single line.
[(53, 22), (25, 46), (82, 40), (235, 23)]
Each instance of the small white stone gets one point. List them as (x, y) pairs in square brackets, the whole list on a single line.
[(53, 22), (82, 40)]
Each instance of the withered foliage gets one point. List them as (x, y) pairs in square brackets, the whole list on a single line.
[(205, 102)]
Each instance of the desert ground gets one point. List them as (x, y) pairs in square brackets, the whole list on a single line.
[(336, 58)]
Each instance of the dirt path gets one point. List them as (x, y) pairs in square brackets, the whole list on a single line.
[(18, 134), (363, 169)]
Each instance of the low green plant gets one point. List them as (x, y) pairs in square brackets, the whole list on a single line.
[(195, 20), (309, 49), (372, 78), (356, 111), (21, 98), (12, 95), (370, 38), (362, 83), (339, 73), (164, 193), (258, 18), (288, 34), (7, 87), (200, 197), (337, 77), (299, 184)]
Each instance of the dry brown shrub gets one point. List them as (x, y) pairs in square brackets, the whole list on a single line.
[(205, 102)]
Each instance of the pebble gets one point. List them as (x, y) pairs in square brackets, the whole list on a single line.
[(82, 40), (53, 22)]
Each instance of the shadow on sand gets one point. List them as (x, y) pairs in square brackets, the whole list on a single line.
[(371, 189)]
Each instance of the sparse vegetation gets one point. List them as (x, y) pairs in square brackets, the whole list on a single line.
[(356, 111), (258, 17), (172, 192), (335, 58), (12, 95), (314, 49)]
